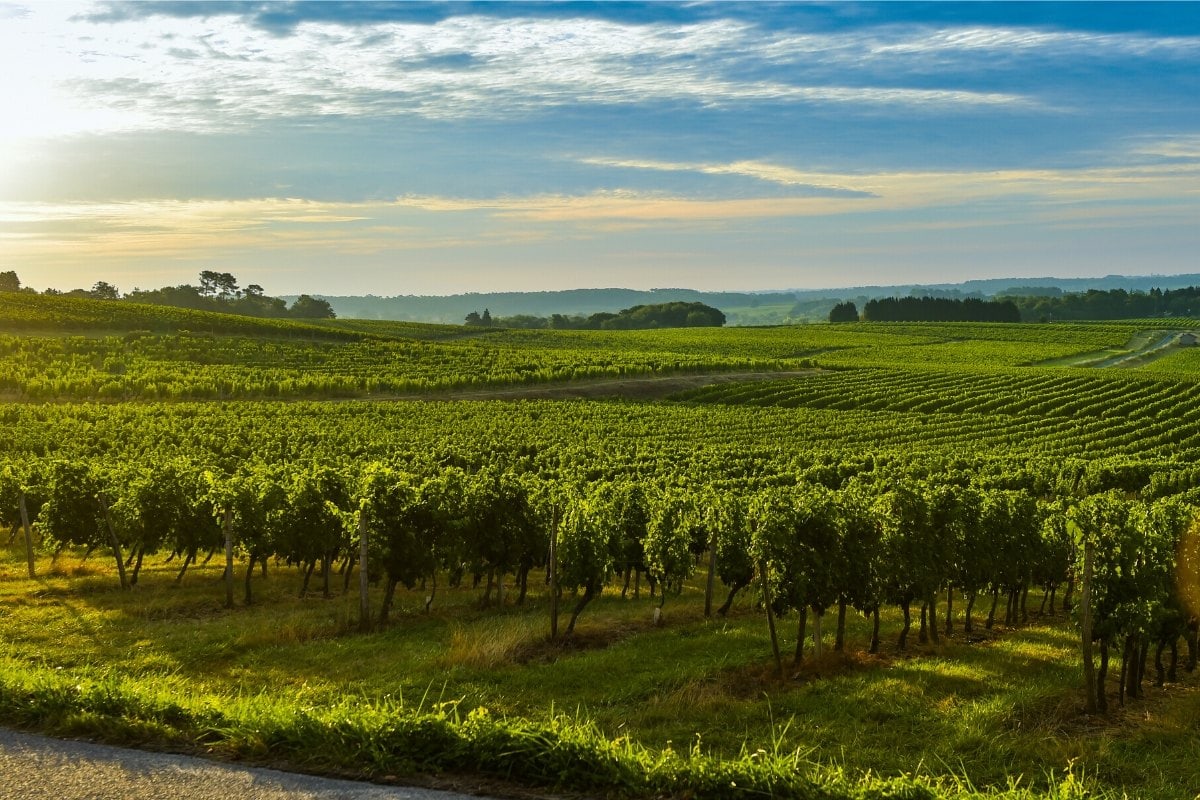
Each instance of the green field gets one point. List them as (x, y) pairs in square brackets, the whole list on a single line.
[(967, 450)]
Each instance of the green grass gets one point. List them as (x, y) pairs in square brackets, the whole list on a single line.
[(289, 679)]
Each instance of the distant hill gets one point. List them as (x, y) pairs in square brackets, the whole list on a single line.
[(740, 308), (1013, 286), (453, 309)]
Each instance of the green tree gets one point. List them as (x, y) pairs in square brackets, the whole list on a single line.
[(726, 514), (308, 307), (258, 500), (667, 544), (193, 526), (20, 502), (401, 518), (499, 529), (911, 550), (1103, 534), (629, 512), (103, 290), (844, 312), (1016, 526), (820, 533), (862, 581), (221, 285), (76, 511), (585, 549), (521, 491), (1159, 529), (975, 566), (771, 517), (949, 510), (1055, 556), (315, 520), (147, 509)]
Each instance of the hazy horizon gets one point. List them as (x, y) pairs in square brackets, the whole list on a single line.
[(1050, 280), (435, 149)]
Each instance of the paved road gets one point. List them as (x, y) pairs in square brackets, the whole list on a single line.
[(37, 768)]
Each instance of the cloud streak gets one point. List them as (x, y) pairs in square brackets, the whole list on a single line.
[(404, 222), (208, 73), (845, 193)]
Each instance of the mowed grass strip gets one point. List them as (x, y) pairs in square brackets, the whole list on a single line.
[(274, 681)]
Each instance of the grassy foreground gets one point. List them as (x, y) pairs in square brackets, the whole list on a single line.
[(689, 709)]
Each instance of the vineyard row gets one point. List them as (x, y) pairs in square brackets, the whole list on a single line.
[(805, 548)]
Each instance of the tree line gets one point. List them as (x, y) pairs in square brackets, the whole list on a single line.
[(216, 291), (938, 309), (640, 317), (1030, 303), (1109, 304)]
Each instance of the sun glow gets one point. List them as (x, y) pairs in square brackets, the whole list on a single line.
[(30, 66), (41, 65), (41, 68)]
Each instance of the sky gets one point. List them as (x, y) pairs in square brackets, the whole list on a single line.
[(419, 148)]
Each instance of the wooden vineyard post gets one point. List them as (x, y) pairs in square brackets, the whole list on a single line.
[(364, 603), (712, 575), (227, 525), (554, 575), (766, 592), (950, 609), (28, 535), (1085, 618)]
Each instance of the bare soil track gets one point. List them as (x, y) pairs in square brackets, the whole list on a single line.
[(643, 387)]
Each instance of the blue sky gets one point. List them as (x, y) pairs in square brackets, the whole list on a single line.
[(421, 148)]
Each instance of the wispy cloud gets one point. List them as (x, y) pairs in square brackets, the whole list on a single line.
[(770, 173), (1180, 148), (840, 193), (112, 231), (212, 72), (972, 41), (108, 233), (206, 67), (825, 194)]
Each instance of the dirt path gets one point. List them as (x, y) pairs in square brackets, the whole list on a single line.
[(1161, 343), (1145, 346), (648, 387)]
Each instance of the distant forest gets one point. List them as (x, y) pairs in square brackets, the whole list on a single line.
[(1111, 304), (939, 309), (740, 308), (640, 317), (452, 309)]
